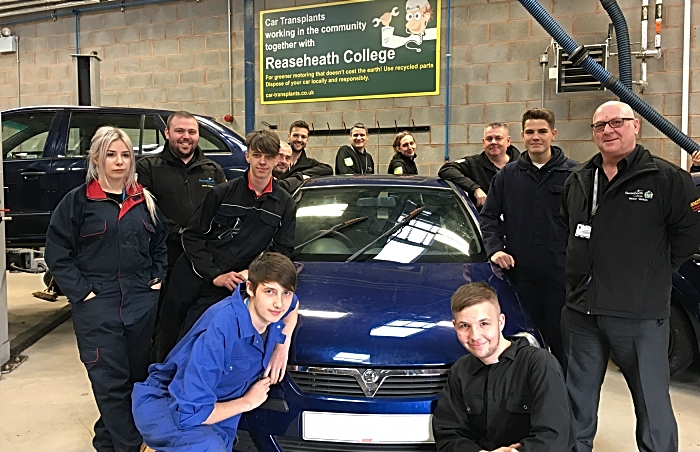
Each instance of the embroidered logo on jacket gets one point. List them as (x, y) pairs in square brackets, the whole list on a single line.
[(695, 205), (640, 195), (207, 182)]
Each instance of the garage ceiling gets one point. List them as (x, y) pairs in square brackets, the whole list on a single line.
[(10, 8)]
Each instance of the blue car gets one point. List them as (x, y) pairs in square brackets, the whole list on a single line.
[(379, 258)]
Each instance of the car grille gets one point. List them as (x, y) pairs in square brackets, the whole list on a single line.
[(287, 444), (362, 382)]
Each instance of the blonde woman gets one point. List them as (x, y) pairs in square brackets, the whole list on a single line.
[(105, 247)]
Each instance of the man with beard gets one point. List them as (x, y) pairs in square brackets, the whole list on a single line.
[(521, 227), (474, 173), (505, 395), (301, 166), (179, 178)]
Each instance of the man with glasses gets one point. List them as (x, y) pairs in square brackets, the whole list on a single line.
[(474, 173), (632, 220), (353, 158)]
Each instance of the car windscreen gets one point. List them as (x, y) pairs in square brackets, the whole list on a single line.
[(374, 223)]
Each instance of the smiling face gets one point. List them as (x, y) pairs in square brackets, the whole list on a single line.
[(538, 137), (117, 162), (617, 143), (298, 138), (268, 303), (358, 138), (407, 146), (417, 16), (183, 136), (495, 141), (479, 330)]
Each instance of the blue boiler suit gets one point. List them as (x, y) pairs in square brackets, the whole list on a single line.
[(218, 360), (94, 244)]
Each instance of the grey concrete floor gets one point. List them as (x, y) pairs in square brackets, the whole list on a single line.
[(47, 404)]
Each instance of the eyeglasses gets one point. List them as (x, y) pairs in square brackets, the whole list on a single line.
[(615, 123)]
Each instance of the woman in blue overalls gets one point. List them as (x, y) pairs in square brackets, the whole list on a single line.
[(105, 247)]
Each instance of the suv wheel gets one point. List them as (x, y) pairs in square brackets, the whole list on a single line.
[(680, 345)]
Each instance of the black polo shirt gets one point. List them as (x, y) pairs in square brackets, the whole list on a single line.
[(520, 399)]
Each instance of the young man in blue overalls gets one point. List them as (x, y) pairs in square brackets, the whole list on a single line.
[(194, 400)]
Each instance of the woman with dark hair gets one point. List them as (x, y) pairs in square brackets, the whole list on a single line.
[(404, 155), (105, 247)]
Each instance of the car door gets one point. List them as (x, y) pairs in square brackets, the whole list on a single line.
[(69, 167), (28, 139)]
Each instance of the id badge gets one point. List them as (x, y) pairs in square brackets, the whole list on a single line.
[(583, 231)]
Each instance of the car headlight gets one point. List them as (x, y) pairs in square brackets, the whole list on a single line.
[(530, 338)]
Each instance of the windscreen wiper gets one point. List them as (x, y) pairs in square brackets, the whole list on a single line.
[(336, 228), (395, 228)]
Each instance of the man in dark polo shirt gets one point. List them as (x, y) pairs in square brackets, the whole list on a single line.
[(505, 395)]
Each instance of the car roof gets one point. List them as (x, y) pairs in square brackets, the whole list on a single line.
[(98, 108), (377, 179)]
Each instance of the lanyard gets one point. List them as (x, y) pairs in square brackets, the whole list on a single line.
[(595, 195)]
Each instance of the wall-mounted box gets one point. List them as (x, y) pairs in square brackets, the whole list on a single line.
[(8, 44)]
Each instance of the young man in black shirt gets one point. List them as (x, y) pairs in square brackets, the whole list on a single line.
[(505, 395)]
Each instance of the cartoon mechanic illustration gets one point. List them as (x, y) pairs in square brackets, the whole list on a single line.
[(418, 14)]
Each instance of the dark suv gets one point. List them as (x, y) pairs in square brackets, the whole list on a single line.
[(44, 151)]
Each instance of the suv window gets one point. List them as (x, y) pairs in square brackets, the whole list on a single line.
[(24, 136), (83, 126), (208, 142)]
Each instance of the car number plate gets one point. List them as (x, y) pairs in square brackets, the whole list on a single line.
[(367, 428)]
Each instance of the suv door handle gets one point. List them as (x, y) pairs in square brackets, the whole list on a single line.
[(32, 174)]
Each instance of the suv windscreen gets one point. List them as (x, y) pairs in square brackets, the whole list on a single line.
[(441, 232)]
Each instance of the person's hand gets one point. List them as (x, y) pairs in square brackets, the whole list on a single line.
[(696, 158), (229, 280), (480, 197), (157, 286), (90, 295), (386, 19), (278, 364), (511, 448), (257, 394), (503, 260)]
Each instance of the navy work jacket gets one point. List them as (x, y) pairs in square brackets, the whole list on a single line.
[(95, 245), (529, 199)]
